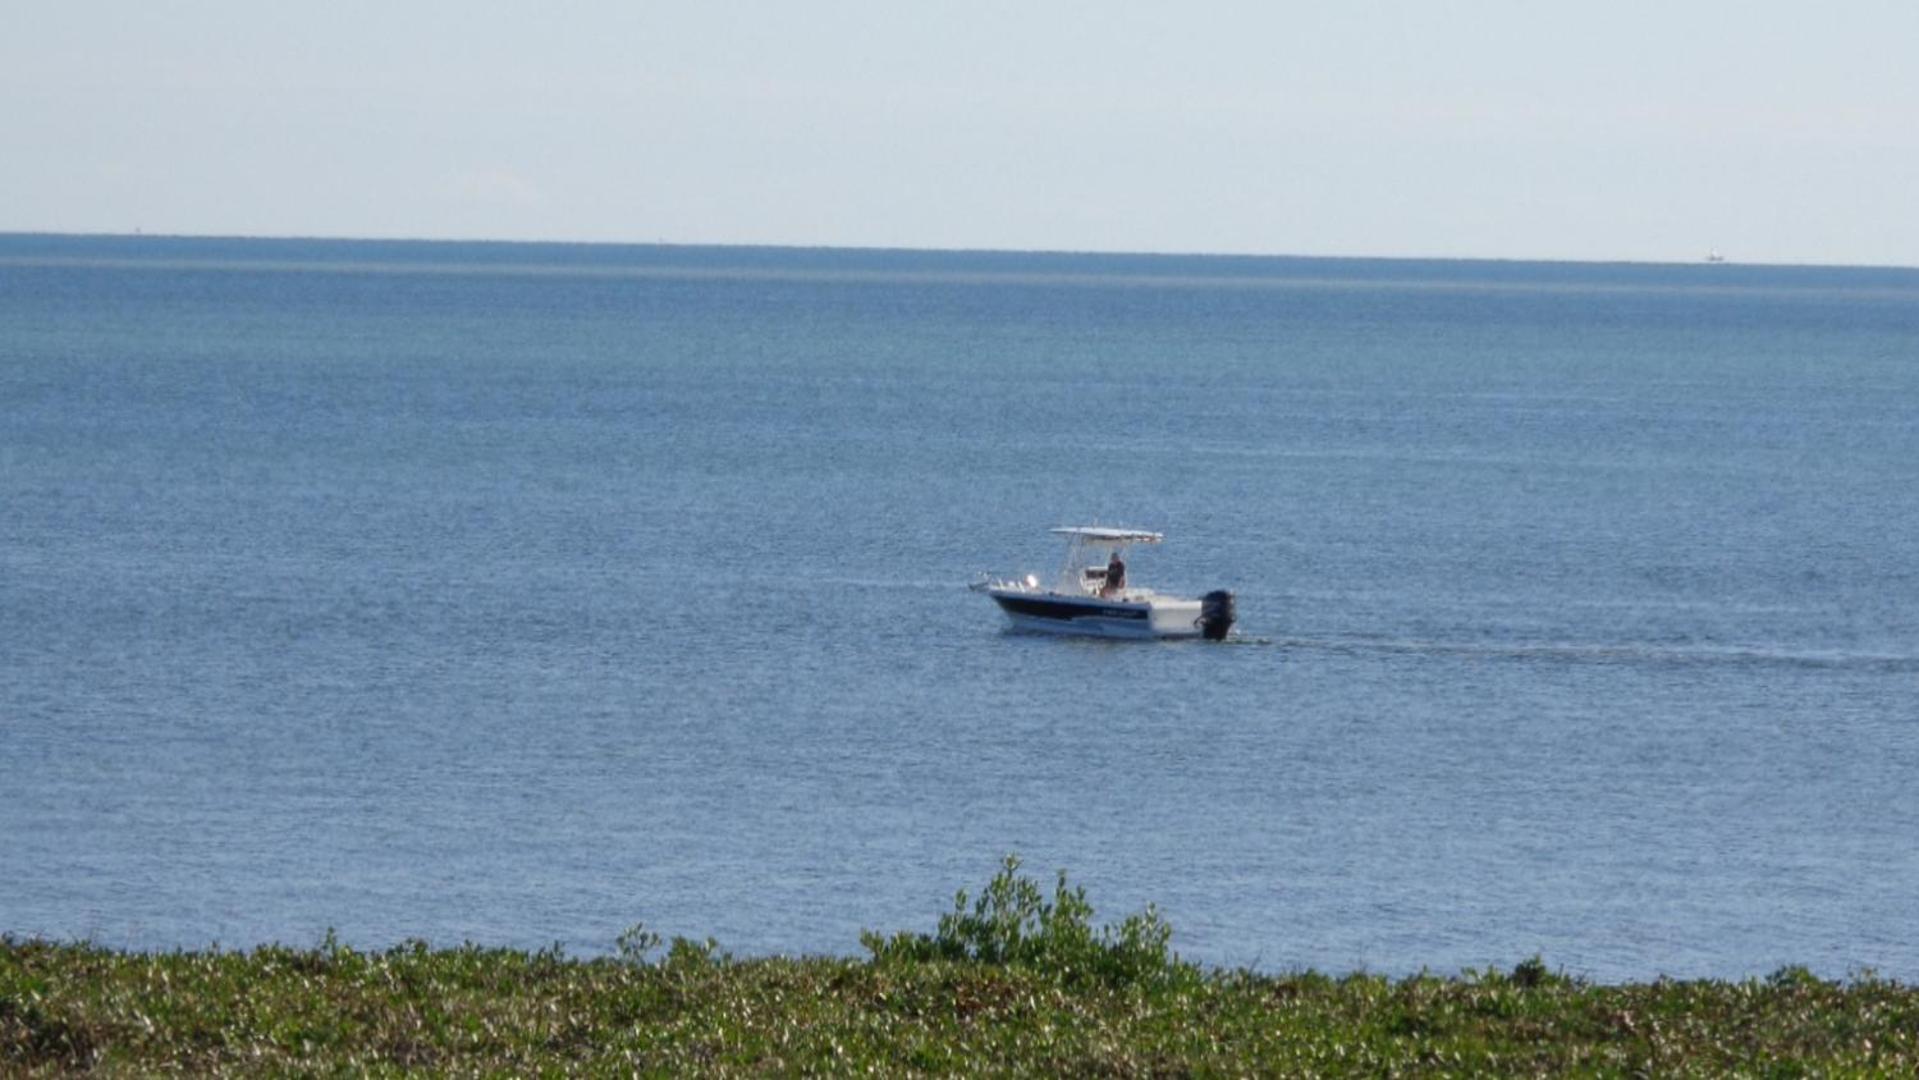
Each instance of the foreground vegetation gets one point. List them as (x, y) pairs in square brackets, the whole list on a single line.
[(1014, 981)]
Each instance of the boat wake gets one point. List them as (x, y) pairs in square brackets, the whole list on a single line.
[(1616, 653)]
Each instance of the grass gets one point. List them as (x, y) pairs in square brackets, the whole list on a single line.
[(1011, 982)]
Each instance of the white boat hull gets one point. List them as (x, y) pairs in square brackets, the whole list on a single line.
[(1136, 616)]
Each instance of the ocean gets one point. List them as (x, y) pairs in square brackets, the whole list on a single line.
[(517, 594)]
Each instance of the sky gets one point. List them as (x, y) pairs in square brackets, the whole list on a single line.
[(1656, 131)]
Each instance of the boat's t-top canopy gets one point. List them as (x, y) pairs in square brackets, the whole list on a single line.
[(1100, 534), (1086, 550)]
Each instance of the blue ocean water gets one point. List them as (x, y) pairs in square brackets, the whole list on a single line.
[(519, 593)]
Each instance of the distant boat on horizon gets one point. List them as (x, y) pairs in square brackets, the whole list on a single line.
[(1713, 256)]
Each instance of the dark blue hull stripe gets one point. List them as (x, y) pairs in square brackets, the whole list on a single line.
[(1066, 610)]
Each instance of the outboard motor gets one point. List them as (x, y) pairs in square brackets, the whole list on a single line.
[(1216, 614)]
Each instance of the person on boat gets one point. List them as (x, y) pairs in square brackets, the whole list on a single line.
[(1115, 576)]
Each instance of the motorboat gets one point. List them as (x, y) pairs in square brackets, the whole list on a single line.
[(1093, 595)]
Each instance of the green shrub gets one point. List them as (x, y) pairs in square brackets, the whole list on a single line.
[(1531, 972), (635, 944), (1012, 924)]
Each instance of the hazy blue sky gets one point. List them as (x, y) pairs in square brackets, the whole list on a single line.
[(1780, 132)]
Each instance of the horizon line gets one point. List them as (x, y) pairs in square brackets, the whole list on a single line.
[(1703, 260)]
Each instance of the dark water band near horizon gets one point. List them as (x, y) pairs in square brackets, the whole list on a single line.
[(519, 593)]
